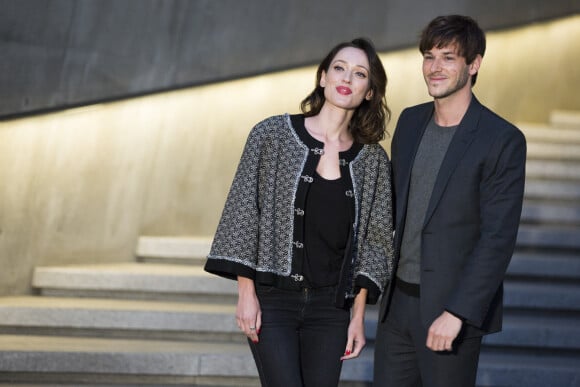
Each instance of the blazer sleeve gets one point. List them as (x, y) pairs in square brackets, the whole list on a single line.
[(235, 246), (501, 197)]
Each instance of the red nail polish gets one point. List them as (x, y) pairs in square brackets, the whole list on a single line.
[(347, 352)]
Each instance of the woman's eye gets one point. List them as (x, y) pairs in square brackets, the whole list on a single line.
[(338, 68)]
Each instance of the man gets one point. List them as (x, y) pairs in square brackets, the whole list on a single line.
[(459, 181)]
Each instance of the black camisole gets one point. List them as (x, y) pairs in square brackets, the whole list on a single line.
[(327, 227)]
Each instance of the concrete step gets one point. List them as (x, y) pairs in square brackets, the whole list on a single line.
[(561, 213), (539, 236), (565, 119), (118, 318), (135, 281), (66, 359), (123, 279), (109, 318), (180, 250), (150, 362), (540, 133), (550, 151), (540, 331), (500, 368), (542, 295), (532, 328), (553, 170), (155, 320), (72, 359), (69, 360), (546, 265), (549, 190)]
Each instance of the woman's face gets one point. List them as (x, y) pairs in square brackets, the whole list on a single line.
[(347, 82)]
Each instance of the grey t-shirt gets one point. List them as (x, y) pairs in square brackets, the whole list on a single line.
[(430, 154)]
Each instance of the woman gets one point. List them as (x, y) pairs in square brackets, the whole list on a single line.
[(307, 225)]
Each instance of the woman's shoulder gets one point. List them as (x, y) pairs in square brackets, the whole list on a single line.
[(375, 150), (279, 128), (271, 127), (280, 122)]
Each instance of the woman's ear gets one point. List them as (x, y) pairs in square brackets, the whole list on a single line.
[(369, 95), (322, 82)]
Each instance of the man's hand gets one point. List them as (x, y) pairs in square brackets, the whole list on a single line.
[(443, 331)]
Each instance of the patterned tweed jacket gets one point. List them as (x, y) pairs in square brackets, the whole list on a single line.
[(256, 233)]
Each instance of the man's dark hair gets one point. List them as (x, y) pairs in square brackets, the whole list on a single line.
[(460, 30)]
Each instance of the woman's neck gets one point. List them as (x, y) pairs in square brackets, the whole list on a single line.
[(330, 125)]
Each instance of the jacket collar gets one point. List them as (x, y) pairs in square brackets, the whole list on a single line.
[(312, 143)]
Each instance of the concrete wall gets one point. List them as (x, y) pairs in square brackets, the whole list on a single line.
[(81, 185), (62, 53)]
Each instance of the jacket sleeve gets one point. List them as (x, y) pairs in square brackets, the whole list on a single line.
[(501, 196), (234, 248), (375, 255)]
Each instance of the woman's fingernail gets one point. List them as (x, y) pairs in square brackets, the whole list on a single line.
[(347, 352)]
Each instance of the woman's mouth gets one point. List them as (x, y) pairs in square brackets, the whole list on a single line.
[(343, 90)]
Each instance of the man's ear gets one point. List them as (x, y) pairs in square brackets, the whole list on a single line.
[(474, 66)]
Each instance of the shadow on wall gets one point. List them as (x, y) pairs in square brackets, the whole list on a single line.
[(82, 185)]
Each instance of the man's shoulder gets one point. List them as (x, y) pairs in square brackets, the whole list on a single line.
[(497, 129), (422, 107), (494, 121), (412, 115)]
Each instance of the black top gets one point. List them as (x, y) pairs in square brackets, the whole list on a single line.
[(304, 271), (328, 217)]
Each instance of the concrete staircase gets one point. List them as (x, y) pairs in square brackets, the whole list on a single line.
[(162, 321), (540, 341)]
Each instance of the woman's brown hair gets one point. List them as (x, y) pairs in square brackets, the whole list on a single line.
[(368, 123)]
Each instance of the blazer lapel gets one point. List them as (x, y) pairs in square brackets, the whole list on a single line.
[(463, 137)]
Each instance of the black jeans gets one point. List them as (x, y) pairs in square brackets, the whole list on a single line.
[(302, 338)]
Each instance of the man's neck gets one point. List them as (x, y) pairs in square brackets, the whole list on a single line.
[(449, 111)]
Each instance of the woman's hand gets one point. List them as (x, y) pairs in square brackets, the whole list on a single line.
[(248, 313), (356, 329)]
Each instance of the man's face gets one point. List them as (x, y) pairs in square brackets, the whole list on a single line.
[(446, 72)]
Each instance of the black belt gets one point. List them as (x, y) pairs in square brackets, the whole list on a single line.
[(410, 289), (293, 282)]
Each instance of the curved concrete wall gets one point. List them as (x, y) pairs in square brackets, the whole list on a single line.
[(62, 53), (80, 186)]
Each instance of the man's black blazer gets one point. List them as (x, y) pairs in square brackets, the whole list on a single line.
[(472, 219)]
